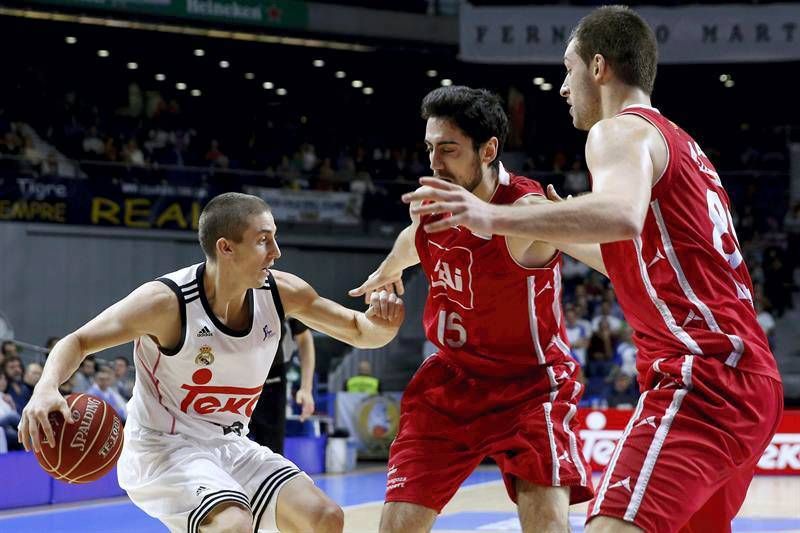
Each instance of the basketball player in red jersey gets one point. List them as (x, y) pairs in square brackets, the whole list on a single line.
[(712, 396), (502, 382)]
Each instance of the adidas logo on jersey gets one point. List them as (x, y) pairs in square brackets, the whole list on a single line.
[(205, 332)]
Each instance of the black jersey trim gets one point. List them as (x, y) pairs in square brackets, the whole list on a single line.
[(208, 503), (276, 296), (182, 304), (266, 491), (210, 313), (191, 292)]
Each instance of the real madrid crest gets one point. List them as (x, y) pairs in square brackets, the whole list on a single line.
[(205, 357)]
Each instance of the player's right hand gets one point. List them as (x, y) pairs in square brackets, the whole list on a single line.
[(44, 401), (391, 282)]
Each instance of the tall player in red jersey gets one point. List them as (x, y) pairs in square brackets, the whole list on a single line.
[(712, 396), (501, 384)]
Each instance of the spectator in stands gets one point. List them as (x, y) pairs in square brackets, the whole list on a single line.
[(103, 388), (777, 280), (17, 389), (215, 157), (66, 388), (573, 269), (51, 341), (584, 303), (124, 378), (606, 315), (9, 349), (82, 379), (576, 180), (791, 224), (625, 352), (622, 394), (579, 331), (50, 165), (93, 145), (326, 175), (308, 157), (9, 418), (600, 367), (364, 381), (611, 297), (33, 372), (132, 154), (766, 321), (9, 148)]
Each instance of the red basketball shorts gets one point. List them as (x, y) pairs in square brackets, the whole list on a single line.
[(688, 454), (450, 422)]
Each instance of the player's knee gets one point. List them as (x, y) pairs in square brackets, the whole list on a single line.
[(231, 519), (548, 524), (606, 524), (328, 517)]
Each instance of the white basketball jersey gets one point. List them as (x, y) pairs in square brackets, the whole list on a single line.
[(207, 386)]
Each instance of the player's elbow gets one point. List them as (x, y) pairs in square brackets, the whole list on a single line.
[(630, 224), (371, 343)]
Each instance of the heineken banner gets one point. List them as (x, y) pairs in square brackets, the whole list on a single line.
[(158, 206), (693, 34), (268, 13)]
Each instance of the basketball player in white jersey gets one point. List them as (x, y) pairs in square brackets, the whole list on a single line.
[(204, 339)]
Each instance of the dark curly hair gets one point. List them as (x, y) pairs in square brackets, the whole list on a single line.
[(477, 112)]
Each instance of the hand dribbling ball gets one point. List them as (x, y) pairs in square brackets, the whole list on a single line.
[(88, 448)]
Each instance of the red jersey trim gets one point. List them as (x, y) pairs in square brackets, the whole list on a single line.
[(633, 111)]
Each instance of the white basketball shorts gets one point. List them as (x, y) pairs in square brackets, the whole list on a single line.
[(179, 480)]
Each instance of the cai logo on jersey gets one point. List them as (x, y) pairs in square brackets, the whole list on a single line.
[(206, 399), (452, 274)]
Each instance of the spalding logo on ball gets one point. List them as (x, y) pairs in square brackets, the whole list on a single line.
[(88, 448)]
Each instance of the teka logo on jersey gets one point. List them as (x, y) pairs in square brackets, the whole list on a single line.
[(782, 454), (452, 274), (207, 399)]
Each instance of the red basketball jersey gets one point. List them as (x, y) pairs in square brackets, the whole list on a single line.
[(485, 312), (682, 284)]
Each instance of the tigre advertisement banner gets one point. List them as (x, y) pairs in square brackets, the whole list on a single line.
[(155, 206)]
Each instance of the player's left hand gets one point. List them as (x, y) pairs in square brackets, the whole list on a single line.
[(553, 196), (438, 196), (386, 309), (305, 399)]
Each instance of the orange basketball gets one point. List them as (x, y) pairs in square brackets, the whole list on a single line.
[(88, 448)]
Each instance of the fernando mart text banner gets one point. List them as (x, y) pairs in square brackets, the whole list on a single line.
[(601, 429), (692, 34)]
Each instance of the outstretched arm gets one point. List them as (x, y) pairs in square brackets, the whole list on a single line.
[(152, 309), (307, 355), (371, 329), (588, 254), (389, 275), (618, 153)]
